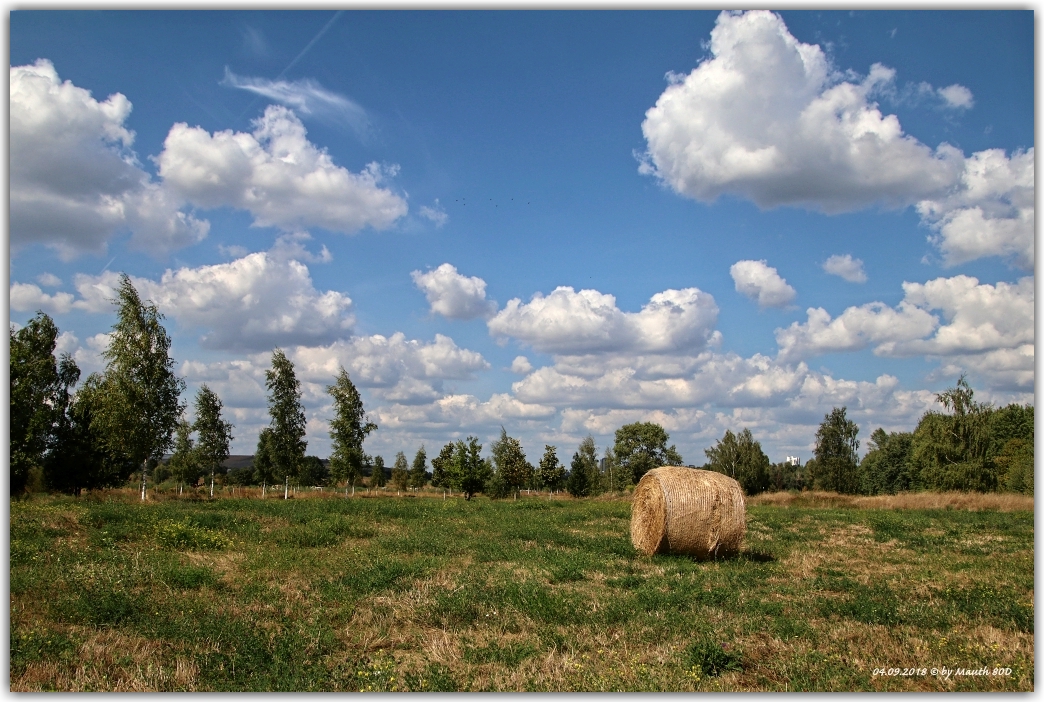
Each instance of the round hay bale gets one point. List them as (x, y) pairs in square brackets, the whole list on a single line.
[(686, 510)]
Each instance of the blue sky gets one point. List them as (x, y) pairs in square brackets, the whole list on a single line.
[(558, 222)]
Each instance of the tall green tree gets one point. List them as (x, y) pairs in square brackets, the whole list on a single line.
[(836, 453), (264, 463), (886, 469), (348, 429), (551, 473), (35, 383), (418, 474), (740, 457), (286, 442), (82, 455), (184, 462), (470, 472), (400, 472), (583, 469), (213, 434), (441, 466), (1011, 446), (724, 456), (510, 462), (951, 451), (642, 446), (140, 405), (63, 466)]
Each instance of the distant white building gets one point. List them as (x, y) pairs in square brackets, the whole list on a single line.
[(793, 460)]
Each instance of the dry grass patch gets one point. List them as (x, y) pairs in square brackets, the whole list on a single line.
[(969, 501)]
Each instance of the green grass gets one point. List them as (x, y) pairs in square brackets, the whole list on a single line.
[(431, 594)]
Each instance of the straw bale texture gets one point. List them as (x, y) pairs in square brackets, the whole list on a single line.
[(685, 510)]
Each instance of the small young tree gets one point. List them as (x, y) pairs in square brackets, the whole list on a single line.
[(400, 476), (418, 474), (510, 462), (213, 434), (470, 472), (551, 473), (377, 476), (611, 475), (583, 473), (264, 464), (184, 463), (579, 481), (348, 429), (286, 441)]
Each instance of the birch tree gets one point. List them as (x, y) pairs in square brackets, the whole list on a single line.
[(213, 434), (139, 405)]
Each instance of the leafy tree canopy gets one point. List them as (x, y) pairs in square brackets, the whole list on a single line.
[(642, 446), (348, 429), (286, 443)]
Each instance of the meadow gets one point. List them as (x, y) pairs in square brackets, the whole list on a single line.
[(323, 592)]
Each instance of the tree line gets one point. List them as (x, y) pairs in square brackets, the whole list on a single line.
[(120, 424), (970, 446)]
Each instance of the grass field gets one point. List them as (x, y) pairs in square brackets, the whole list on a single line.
[(386, 593)]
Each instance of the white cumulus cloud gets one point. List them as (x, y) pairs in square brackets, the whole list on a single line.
[(762, 283), (570, 322), (856, 328), (768, 118), (75, 181), (255, 302), (989, 213), (846, 267), (985, 328), (979, 317), (521, 365), (957, 96), (26, 297), (454, 295), (277, 175)]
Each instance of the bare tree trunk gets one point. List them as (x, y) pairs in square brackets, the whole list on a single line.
[(286, 487), (211, 484), (144, 469)]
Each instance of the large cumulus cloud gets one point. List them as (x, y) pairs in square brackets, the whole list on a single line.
[(277, 175), (255, 302), (988, 329), (75, 180), (769, 119), (570, 322)]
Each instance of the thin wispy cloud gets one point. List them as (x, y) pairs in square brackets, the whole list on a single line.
[(305, 97)]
